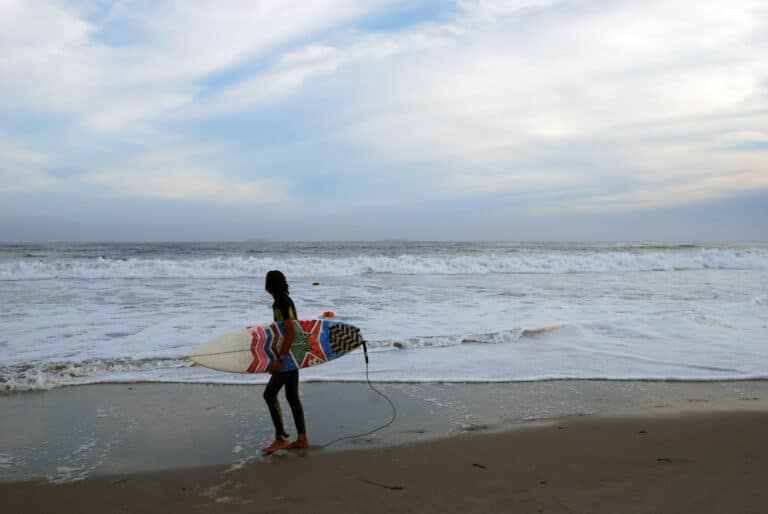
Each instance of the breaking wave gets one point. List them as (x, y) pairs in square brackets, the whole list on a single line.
[(50, 375), (231, 267), (507, 336)]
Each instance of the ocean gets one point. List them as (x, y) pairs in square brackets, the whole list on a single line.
[(432, 312)]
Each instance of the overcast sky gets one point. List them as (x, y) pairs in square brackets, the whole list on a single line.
[(385, 119)]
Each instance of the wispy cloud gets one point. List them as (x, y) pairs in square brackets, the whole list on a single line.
[(178, 173), (23, 169), (523, 79), (295, 69), (665, 194), (54, 58)]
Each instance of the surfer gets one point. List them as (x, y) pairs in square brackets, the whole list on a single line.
[(283, 309)]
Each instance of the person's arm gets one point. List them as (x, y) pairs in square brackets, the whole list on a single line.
[(288, 340), (285, 348)]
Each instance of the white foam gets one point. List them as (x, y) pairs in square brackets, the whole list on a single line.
[(635, 350), (67, 474), (45, 375), (582, 261), (705, 322), (6, 461)]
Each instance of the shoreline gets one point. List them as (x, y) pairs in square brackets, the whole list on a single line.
[(71, 434), (555, 447), (310, 382), (690, 462)]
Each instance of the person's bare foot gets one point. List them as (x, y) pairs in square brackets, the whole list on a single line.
[(277, 444), (300, 442)]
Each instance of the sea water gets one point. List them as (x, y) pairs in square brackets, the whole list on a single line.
[(431, 312)]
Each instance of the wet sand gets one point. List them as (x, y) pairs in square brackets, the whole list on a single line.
[(595, 447)]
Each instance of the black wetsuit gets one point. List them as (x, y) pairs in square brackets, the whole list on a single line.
[(284, 309)]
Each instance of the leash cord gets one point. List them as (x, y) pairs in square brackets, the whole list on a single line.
[(391, 404)]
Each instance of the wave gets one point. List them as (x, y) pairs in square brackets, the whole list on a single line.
[(550, 262), (50, 375), (507, 336)]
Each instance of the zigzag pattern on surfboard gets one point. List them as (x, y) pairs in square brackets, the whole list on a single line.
[(254, 348), (344, 338)]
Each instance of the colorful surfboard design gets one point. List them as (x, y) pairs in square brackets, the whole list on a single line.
[(254, 348)]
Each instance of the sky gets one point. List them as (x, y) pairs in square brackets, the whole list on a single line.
[(146, 120)]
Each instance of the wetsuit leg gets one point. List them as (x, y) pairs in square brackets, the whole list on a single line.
[(292, 394), (274, 385)]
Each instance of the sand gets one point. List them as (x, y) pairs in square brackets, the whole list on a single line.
[(631, 447)]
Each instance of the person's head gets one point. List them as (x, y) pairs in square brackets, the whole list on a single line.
[(275, 283)]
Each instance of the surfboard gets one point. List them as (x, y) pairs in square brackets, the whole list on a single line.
[(253, 349)]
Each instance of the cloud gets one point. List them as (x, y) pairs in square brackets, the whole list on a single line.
[(59, 56), (564, 72), (589, 105), (186, 184), (189, 36), (597, 93), (529, 182), (182, 173), (659, 195), (23, 169), (619, 106), (295, 69)]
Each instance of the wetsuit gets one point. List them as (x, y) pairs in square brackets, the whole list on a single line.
[(284, 309)]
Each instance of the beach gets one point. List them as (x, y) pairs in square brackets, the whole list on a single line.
[(526, 377), (559, 446), (512, 254)]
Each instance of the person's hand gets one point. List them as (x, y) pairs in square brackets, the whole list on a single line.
[(275, 367)]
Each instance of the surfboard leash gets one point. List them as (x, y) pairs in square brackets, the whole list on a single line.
[(391, 404)]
